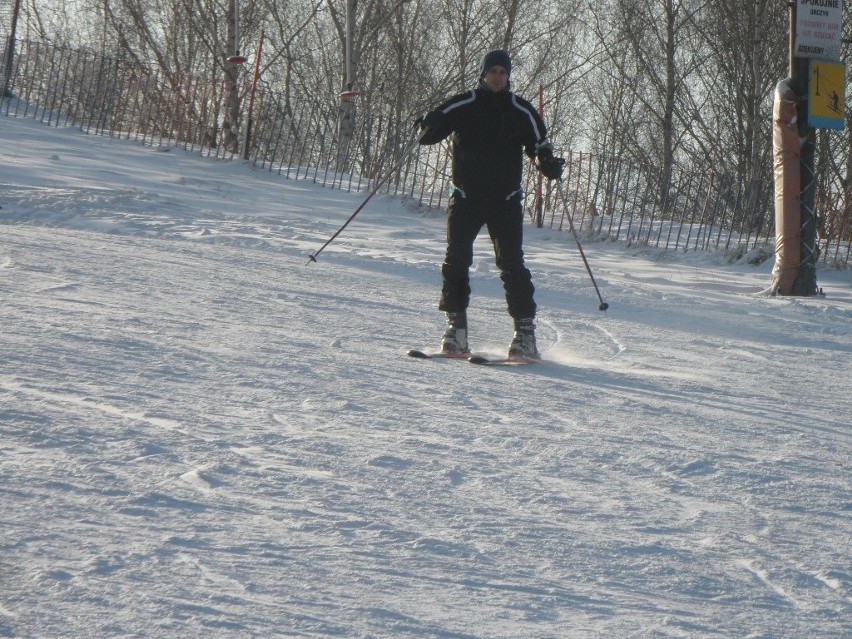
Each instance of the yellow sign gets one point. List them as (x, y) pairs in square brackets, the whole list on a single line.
[(827, 100)]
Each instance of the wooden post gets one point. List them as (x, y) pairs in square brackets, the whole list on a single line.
[(10, 51)]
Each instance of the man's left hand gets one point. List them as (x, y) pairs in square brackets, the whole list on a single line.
[(551, 167)]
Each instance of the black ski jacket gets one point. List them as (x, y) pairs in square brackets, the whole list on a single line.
[(490, 131)]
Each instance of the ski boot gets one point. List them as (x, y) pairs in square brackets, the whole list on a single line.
[(523, 344), (454, 340)]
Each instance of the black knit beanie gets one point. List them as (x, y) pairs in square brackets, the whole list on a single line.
[(496, 58)]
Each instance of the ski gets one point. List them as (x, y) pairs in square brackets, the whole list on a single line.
[(475, 359), (503, 361), (424, 355)]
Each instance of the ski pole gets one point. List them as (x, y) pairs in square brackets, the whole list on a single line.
[(381, 182), (603, 305)]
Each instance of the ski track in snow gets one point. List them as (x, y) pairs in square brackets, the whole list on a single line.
[(204, 436)]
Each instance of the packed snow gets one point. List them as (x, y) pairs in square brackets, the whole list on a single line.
[(202, 434)]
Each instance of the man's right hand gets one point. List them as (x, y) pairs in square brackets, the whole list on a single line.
[(432, 120)]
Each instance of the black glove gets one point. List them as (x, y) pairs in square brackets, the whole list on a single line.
[(550, 167), (432, 120)]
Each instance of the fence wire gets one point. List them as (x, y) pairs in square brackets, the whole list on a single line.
[(607, 198)]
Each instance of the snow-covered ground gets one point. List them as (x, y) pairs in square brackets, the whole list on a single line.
[(203, 435)]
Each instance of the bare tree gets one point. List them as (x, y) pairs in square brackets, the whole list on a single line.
[(745, 54), (660, 83)]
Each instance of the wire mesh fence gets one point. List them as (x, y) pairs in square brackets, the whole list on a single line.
[(606, 198)]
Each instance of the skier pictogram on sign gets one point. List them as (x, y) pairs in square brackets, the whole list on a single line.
[(827, 100)]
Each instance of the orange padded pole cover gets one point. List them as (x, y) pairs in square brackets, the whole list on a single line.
[(786, 146)]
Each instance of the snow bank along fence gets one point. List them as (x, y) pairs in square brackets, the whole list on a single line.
[(607, 198)]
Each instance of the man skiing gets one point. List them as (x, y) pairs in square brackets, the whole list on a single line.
[(492, 127)]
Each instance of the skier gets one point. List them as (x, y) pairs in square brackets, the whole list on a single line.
[(492, 127)]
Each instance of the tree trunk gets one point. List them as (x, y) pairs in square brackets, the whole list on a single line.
[(230, 125)]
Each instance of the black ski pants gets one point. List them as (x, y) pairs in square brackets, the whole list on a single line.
[(505, 223)]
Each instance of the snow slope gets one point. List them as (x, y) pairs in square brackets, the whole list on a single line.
[(203, 435)]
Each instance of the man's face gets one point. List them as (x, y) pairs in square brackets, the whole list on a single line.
[(496, 78)]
